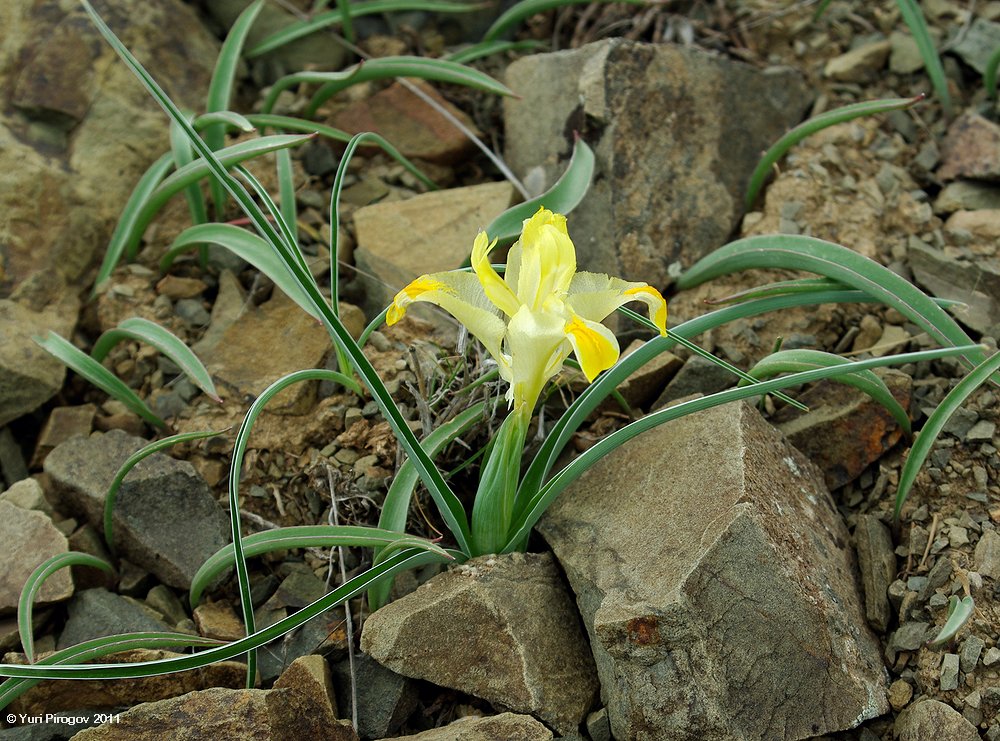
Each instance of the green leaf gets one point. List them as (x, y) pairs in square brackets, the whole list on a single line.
[(794, 361), (31, 588), (220, 89), (286, 193), (959, 612), (250, 248), (318, 22), (936, 422), (305, 536), (493, 507), (131, 462), (228, 119), (990, 75), (183, 155), (143, 330), (527, 8), (914, 18), (121, 241), (439, 70), (97, 374), (489, 48), (811, 126)]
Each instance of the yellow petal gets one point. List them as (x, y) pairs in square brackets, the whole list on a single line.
[(654, 301), (547, 259), (594, 344), (594, 296), (494, 287), (536, 344)]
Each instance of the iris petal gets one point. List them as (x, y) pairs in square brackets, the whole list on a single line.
[(595, 346), (493, 285)]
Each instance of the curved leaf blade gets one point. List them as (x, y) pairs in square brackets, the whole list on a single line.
[(527, 8)]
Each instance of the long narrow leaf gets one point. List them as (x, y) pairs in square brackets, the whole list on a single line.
[(183, 155), (444, 498), (131, 462), (227, 119), (220, 89), (936, 422), (97, 374), (794, 361), (547, 493), (527, 8), (290, 244), (127, 222), (286, 193), (305, 536), (489, 48), (43, 571), (143, 330), (439, 70), (990, 75), (811, 126), (914, 18), (318, 22)]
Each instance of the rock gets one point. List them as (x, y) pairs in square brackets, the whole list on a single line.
[(94, 613), (165, 518), (401, 240), (229, 304), (949, 672), (736, 615), (86, 540), (971, 149), (77, 132), (12, 464), (269, 715), (411, 124), (697, 376), (29, 376), (503, 727), (976, 283), (966, 195), (676, 132), (62, 726), (647, 383), (280, 323), (900, 694), (877, 563), (983, 430), (502, 628), (859, 65), (99, 694), (909, 636), (28, 538), (845, 430), (385, 699), (904, 57), (62, 424), (988, 555), (176, 287), (309, 676), (972, 649), (931, 719), (982, 228), (28, 494), (598, 725), (218, 620), (976, 44)]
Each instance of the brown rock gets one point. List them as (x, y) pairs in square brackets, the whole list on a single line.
[(175, 287), (971, 149), (28, 538), (503, 727), (931, 719), (52, 697), (859, 65), (218, 620), (877, 564), (413, 126), (310, 677), (62, 424)]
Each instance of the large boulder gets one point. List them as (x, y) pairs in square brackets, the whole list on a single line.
[(718, 586)]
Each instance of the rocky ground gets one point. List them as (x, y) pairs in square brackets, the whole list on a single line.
[(729, 598)]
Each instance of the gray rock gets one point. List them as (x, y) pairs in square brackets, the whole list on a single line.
[(54, 731), (676, 133), (165, 517), (13, 467), (977, 43), (696, 376), (904, 56), (502, 628), (949, 672), (974, 283), (27, 494), (503, 727), (736, 615), (28, 538), (385, 699), (94, 613), (877, 563), (972, 649), (598, 725), (967, 195), (937, 577), (988, 555), (931, 719)]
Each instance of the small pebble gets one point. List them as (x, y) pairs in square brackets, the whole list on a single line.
[(900, 693), (958, 537), (949, 672), (972, 649), (991, 657)]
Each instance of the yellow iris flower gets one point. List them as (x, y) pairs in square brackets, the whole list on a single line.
[(540, 311)]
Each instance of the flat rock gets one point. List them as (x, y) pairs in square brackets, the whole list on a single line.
[(27, 539), (502, 628), (28, 494), (859, 65), (62, 424), (929, 720), (269, 715), (95, 613), (29, 376), (697, 376), (385, 699), (102, 694), (296, 341), (409, 123), (977, 43), (967, 195), (503, 727), (947, 274), (401, 240), (988, 555), (676, 132), (971, 149), (877, 563), (309, 677), (165, 518), (737, 615), (845, 430)]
